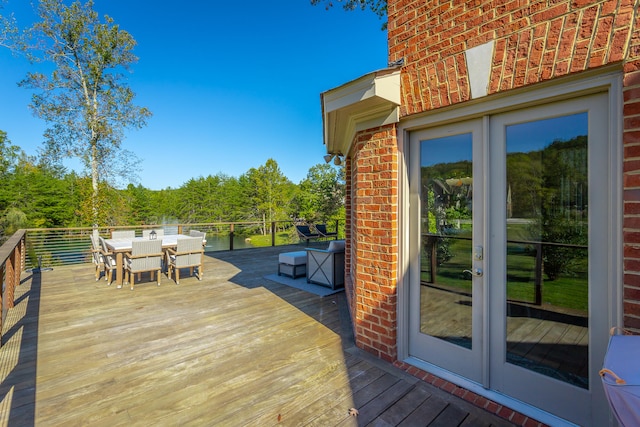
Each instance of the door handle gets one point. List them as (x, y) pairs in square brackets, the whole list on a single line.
[(475, 272)]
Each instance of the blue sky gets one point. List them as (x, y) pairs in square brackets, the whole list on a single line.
[(230, 84)]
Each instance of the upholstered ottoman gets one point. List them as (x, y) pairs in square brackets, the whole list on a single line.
[(293, 264)]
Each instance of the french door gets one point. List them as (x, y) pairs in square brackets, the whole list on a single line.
[(508, 282)]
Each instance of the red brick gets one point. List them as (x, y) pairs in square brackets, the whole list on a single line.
[(631, 294), (632, 308), (632, 323), (632, 278)]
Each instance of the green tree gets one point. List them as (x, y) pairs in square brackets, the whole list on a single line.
[(141, 210), (13, 220), (320, 196), (379, 7), (236, 204), (270, 193), (9, 155), (8, 29), (85, 100)]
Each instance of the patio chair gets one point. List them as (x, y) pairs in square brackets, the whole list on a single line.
[(159, 233), (108, 260), (145, 255), (305, 233), (322, 231), (123, 234), (96, 256), (189, 253), (326, 266), (202, 234)]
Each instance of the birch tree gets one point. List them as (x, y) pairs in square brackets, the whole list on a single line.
[(85, 100)]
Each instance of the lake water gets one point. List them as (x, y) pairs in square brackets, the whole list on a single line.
[(221, 243)]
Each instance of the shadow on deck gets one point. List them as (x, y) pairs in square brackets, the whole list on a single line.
[(233, 349)]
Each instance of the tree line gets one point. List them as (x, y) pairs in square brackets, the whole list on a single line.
[(35, 193), (86, 102)]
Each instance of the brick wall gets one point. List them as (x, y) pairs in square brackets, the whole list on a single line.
[(349, 254), (372, 205), (631, 182), (535, 41)]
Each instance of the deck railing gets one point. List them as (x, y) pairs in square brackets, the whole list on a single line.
[(49, 247), (12, 262)]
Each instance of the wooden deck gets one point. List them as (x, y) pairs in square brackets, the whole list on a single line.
[(232, 350)]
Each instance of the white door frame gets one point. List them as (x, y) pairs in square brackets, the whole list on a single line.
[(609, 81), (466, 362)]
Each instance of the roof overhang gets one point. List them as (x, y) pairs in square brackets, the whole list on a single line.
[(370, 101)]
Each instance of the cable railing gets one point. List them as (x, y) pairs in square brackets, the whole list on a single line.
[(50, 247)]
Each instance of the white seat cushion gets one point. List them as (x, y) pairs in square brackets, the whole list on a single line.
[(293, 258)]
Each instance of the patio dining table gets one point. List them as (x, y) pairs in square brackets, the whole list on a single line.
[(120, 246)]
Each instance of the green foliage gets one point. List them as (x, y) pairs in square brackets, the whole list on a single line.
[(550, 189), (320, 196), (269, 193), (9, 35), (13, 220), (9, 154), (379, 7), (36, 193), (84, 100)]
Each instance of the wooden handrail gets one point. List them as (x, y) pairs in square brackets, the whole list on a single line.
[(12, 257)]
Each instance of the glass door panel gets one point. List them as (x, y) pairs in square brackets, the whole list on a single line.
[(446, 207), (531, 187), (446, 221), (549, 311), (547, 247)]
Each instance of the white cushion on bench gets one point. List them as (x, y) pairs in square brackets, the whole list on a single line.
[(293, 258)]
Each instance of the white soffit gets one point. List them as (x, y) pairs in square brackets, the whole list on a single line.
[(367, 102)]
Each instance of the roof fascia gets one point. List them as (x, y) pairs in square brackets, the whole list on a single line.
[(369, 101)]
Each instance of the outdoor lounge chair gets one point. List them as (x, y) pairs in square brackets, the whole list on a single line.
[(305, 233), (322, 231), (326, 266), (189, 253), (145, 255)]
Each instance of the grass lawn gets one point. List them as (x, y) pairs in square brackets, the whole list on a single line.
[(566, 291)]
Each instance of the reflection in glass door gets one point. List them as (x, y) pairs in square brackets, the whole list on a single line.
[(550, 250), (530, 186), (547, 247), (447, 295), (446, 223)]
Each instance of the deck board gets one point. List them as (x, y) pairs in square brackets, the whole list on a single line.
[(231, 350)]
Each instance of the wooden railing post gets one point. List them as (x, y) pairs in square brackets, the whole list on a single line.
[(273, 233), (538, 277), (12, 261), (23, 252), (231, 238), (10, 281)]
